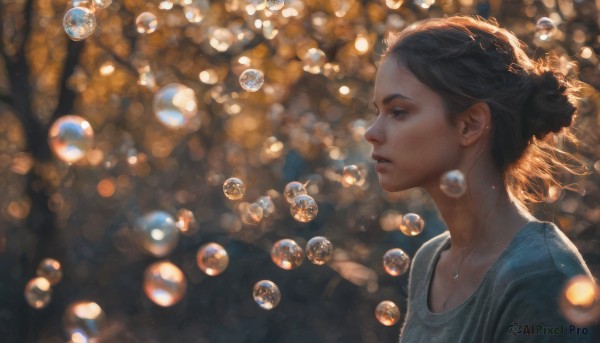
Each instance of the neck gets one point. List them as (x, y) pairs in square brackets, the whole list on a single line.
[(485, 218)]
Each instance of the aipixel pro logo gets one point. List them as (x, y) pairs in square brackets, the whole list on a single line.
[(542, 329)]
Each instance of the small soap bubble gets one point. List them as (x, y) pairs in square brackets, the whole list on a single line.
[(102, 3), (275, 5), (292, 190), (314, 60), (251, 214), (387, 313), (319, 250), (266, 294), (146, 23), (164, 283), (412, 224), (267, 205), (212, 259), (252, 80), (351, 175), (176, 106), (396, 262), (453, 184), (157, 233), (304, 208), (186, 222), (79, 23), (234, 188), (545, 28), (70, 137), (580, 301), (287, 254), (38, 292), (50, 269), (84, 321)]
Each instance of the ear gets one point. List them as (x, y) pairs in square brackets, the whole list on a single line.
[(474, 123)]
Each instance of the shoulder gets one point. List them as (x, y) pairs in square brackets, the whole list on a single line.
[(428, 250), (540, 249)]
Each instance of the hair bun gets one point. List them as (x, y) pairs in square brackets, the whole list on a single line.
[(549, 107)]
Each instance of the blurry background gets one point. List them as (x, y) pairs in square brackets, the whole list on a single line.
[(305, 124)]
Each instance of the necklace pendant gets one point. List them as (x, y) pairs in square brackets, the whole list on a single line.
[(455, 275)]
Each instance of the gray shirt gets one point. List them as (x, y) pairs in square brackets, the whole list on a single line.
[(517, 300)]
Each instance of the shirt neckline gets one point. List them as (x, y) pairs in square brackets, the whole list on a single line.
[(441, 317)]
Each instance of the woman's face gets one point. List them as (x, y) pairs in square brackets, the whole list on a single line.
[(413, 143)]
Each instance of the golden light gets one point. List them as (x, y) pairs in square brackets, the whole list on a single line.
[(106, 188), (107, 68), (361, 44), (344, 90)]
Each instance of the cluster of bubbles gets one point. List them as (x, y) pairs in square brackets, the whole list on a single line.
[(70, 137), (38, 291), (302, 206)]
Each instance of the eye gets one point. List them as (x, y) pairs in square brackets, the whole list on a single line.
[(398, 113)]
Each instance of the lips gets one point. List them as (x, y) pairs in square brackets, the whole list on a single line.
[(379, 158)]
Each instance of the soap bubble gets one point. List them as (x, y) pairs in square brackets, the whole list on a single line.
[(234, 188), (396, 262), (304, 208), (387, 313), (176, 107), (164, 283), (275, 5), (102, 3), (252, 80), (79, 23), (70, 137), (266, 294), (545, 28), (314, 60), (251, 214), (319, 250), (412, 224), (186, 222), (292, 190), (453, 184), (84, 321), (146, 23), (38, 292), (157, 233), (212, 259), (580, 301), (351, 175), (287, 254), (50, 269), (267, 205)]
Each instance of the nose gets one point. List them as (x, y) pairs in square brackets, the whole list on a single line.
[(374, 134)]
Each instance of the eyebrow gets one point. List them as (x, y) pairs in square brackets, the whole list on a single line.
[(389, 98)]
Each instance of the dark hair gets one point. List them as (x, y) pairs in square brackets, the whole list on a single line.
[(470, 60)]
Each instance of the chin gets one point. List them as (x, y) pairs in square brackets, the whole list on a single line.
[(388, 187)]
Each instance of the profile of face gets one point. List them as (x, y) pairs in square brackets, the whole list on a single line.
[(413, 142)]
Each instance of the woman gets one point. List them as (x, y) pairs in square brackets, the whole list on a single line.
[(460, 93)]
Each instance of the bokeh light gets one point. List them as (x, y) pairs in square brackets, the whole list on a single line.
[(164, 283)]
